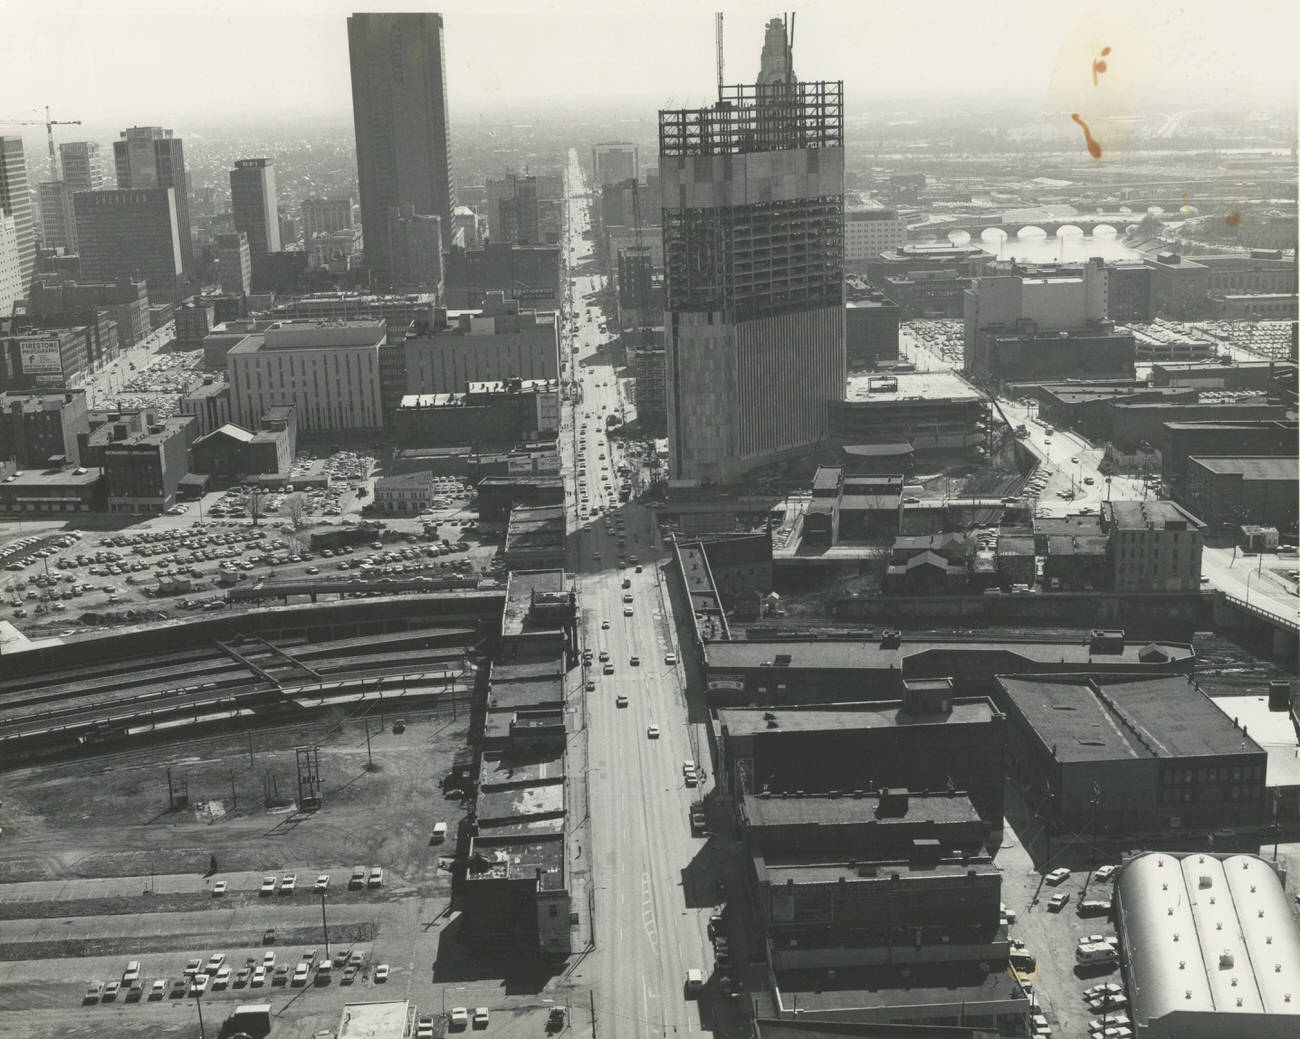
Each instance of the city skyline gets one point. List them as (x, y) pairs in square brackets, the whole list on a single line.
[(638, 64)]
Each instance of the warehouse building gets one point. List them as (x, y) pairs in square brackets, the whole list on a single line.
[(927, 741), (1257, 490), (818, 670), (1128, 754), (1210, 947)]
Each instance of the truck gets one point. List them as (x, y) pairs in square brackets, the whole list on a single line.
[(1096, 954)]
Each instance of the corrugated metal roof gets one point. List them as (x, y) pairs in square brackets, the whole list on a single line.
[(1207, 934)]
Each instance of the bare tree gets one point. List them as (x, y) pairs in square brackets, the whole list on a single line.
[(255, 503), (297, 511)]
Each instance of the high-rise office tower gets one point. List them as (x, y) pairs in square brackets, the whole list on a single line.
[(131, 233), (253, 205), (151, 157), (234, 263), (58, 224), (11, 281), (753, 226), (83, 169), (17, 202), (614, 162), (399, 108)]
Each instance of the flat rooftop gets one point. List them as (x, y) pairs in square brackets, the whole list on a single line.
[(928, 387), (867, 656), (511, 696), (518, 857), (755, 721), (373, 1020), (521, 586), (1086, 718), (510, 766), (536, 527), (875, 988), (850, 811), (515, 670), (517, 802), (815, 867), (38, 478), (1271, 730), (1151, 515), (1252, 467)]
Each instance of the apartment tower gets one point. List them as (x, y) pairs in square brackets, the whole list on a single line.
[(399, 109), (753, 224)]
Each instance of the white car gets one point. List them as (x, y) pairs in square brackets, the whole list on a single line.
[(670, 659), (1058, 876), (288, 883), (381, 972), (219, 888), (458, 1018), (300, 973), (652, 732), (322, 882), (1104, 873), (198, 984), (480, 1017)]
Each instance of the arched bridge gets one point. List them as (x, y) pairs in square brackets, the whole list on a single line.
[(1116, 222)]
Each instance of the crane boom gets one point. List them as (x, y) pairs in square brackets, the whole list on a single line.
[(49, 125)]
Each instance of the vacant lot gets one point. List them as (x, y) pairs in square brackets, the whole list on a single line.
[(100, 867)]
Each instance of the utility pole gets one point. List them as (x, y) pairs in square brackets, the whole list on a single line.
[(324, 926)]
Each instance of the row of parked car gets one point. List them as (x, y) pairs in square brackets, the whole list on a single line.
[(287, 883), (199, 977)]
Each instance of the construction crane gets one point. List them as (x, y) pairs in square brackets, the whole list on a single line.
[(49, 125), (718, 33)]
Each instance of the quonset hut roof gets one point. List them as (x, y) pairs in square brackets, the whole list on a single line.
[(1207, 934)]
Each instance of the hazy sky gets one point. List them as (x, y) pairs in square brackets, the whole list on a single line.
[(151, 62)]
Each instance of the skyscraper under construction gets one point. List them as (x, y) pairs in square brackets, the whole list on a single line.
[(753, 225)]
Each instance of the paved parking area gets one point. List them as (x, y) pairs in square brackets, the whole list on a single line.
[(1052, 937)]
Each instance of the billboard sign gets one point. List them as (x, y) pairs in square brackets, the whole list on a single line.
[(40, 356)]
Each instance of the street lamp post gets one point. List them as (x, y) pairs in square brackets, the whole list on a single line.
[(198, 1004), (324, 926)]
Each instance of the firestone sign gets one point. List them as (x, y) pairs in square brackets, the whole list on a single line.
[(40, 356)]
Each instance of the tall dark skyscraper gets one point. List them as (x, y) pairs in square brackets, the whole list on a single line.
[(151, 157), (399, 108), (753, 223), (17, 202), (131, 233), (253, 205)]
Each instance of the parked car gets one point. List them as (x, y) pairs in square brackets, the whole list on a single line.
[(1058, 901), (1058, 876)]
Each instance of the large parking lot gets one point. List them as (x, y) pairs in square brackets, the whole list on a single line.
[(101, 880), (58, 581)]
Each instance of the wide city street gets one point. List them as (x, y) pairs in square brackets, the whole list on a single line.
[(652, 895)]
